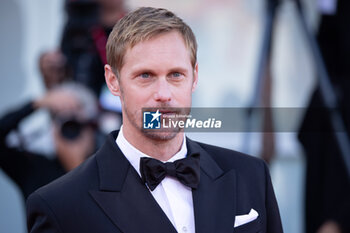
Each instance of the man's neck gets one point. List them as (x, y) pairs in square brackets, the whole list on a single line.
[(159, 149)]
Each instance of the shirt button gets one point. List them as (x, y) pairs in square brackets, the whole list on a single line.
[(184, 229)]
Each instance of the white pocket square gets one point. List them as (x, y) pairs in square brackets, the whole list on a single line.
[(245, 218)]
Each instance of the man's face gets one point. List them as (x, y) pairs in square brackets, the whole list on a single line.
[(157, 73)]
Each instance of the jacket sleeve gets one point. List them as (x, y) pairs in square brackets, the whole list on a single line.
[(40, 217), (274, 224), (13, 161), (11, 120)]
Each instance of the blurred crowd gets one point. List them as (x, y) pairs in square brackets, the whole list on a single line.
[(80, 111)]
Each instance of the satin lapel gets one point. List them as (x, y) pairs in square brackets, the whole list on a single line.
[(214, 200), (124, 198)]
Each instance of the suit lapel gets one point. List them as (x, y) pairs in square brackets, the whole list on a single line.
[(214, 200), (122, 195)]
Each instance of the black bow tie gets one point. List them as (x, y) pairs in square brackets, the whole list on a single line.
[(185, 170)]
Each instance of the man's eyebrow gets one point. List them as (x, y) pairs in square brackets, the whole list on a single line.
[(179, 69), (141, 70)]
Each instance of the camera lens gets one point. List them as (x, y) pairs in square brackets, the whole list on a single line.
[(71, 129)]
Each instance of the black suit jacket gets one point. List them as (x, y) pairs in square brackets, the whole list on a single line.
[(105, 194)]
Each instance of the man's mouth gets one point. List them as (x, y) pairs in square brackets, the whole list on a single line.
[(168, 111)]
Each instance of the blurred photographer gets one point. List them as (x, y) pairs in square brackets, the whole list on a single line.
[(73, 109)]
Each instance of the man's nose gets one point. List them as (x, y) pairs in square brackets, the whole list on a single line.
[(163, 90)]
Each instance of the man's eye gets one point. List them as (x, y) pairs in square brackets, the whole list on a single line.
[(145, 75), (176, 74)]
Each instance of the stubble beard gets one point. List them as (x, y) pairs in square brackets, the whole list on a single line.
[(153, 134)]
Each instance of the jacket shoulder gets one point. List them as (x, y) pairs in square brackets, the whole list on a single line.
[(75, 181)]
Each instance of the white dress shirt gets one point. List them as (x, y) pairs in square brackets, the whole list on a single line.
[(173, 197)]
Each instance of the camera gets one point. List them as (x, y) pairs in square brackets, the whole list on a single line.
[(72, 128)]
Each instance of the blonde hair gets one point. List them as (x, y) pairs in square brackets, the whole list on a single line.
[(143, 24)]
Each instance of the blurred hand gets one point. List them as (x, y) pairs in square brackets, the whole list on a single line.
[(329, 227), (58, 101)]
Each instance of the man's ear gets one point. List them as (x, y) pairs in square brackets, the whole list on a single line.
[(195, 77), (112, 81)]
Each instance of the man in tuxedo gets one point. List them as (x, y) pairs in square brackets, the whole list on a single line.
[(151, 181)]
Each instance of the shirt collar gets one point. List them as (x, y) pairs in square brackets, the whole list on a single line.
[(134, 155)]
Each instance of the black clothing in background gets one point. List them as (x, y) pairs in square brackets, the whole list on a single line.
[(83, 44), (327, 183), (28, 170)]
